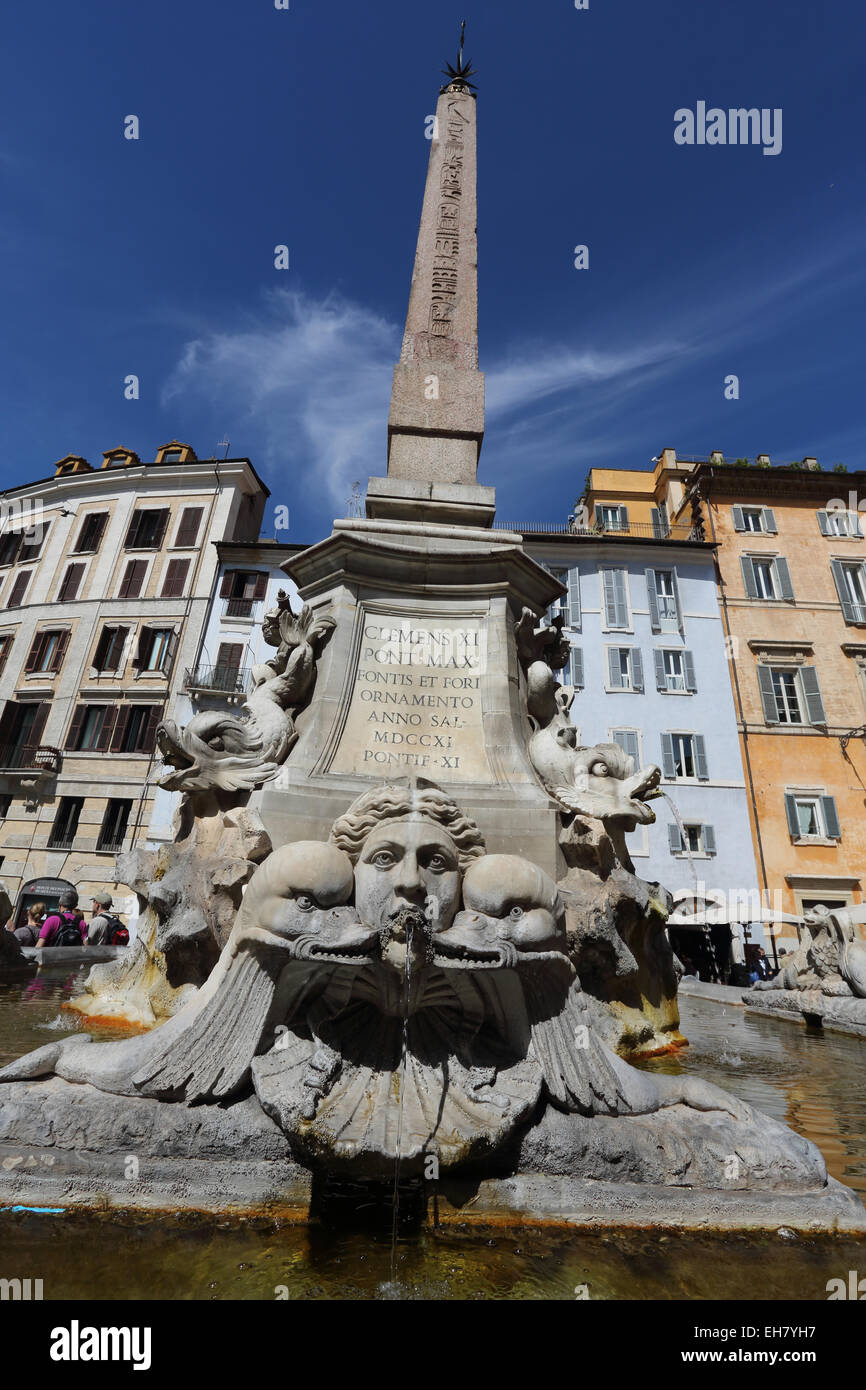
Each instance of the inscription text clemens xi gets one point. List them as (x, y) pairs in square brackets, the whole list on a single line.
[(416, 702)]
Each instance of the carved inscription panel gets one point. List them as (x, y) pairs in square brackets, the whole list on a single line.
[(415, 705)]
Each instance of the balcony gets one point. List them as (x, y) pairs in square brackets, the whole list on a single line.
[(641, 530), (30, 759), (239, 607), (220, 680)]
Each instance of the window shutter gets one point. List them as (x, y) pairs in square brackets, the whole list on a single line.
[(576, 668), (676, 589), (34, 653), (102, 647), (791, 813), (737, 513), (19, 587), (812, 694), (623, 518), (71, 583), (118, 645), (689, 671), (60, 650), (768, 695), (627, 740), (142, 649), (147, 741), (652, 597), (226, 584), (120, 724), (783, 575), (824, 523), (168, 658), (770, 521), (161, 523), (103, 743), (749, 583), (609, 598), (40, 719), (656, 518), (261, 586), (709, 840), (133, 578), (636, 668), (187, 532), (613, 669), (669, 767), (621, 598), (661, 678), (700, 757), (831, 819), (856, 528), (75, 727), (848, 611), (174, 582), (675, 839), (132, 531), (10, 544), (574, 597)]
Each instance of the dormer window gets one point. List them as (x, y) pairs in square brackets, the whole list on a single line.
[(119, 458), (175, 452), (172, 456)]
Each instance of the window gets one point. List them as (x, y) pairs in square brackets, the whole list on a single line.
[(754, 519), (10, 544), (692, 839), (684, 755), (663, 599), (228, 665), (22, 724), (624, 668), (569, 604), (47, 652), (19, 588), (65, 825), (171, 456), (146, 529), (675, 670), (155, 649), (174, 582), (5, 648), (812, 816), (32, 548), (242, 589), (109, 649), (839, 523), (612, 518), (660, 523), (851, 588), (133, 579), (187, 531), (71, 583), (791, 695), (629, 742), (135, 731), (766, 577), (90, 535), (575, 668), (91, 728), (114, 824), (615, 595)]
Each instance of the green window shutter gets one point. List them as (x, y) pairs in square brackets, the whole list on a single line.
[(824, 523), (614, 675), (659, 660), (700, 757), (576, 668), (768, 695), (812, 693), (783, 576), (770, 521), (627, 740), (669, 767), (636, 668), (623, 518), (689, 671), (791, 813), (607, 577), (749, 584), (709, 840), (621, 598), (737, 513), (574, 598), (675, 839), (831, 819), (652, 599), (848, 610)]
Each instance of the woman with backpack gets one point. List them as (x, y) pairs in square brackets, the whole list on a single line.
[(66, 926), (28, 933)]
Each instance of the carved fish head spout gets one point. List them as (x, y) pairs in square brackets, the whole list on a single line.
[(604, 785), (511, 908)]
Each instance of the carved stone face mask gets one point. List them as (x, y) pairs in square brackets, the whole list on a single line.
[(407, 865)]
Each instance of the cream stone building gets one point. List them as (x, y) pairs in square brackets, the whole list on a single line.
[(106, 577)]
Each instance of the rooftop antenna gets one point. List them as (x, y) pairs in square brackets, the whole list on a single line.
[(224, 443)]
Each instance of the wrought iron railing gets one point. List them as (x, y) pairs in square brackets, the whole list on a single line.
[(227, 680), (673, 531), (29, 757), (240, 607)]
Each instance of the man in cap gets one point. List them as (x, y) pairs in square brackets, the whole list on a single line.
[(102, 924)]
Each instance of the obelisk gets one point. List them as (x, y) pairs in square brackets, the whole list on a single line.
[(436, 421)]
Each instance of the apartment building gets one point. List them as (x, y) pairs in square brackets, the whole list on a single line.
[(792, 586), (648, 661), (106, 576)]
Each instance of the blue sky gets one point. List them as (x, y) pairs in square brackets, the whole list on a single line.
[(306, 127)]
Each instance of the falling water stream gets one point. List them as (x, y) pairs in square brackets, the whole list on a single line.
[(708, 936), (404, 1049)]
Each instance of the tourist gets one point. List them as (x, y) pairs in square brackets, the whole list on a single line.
[(760, 967), (105, 929), (28, 933), (66, 926)]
